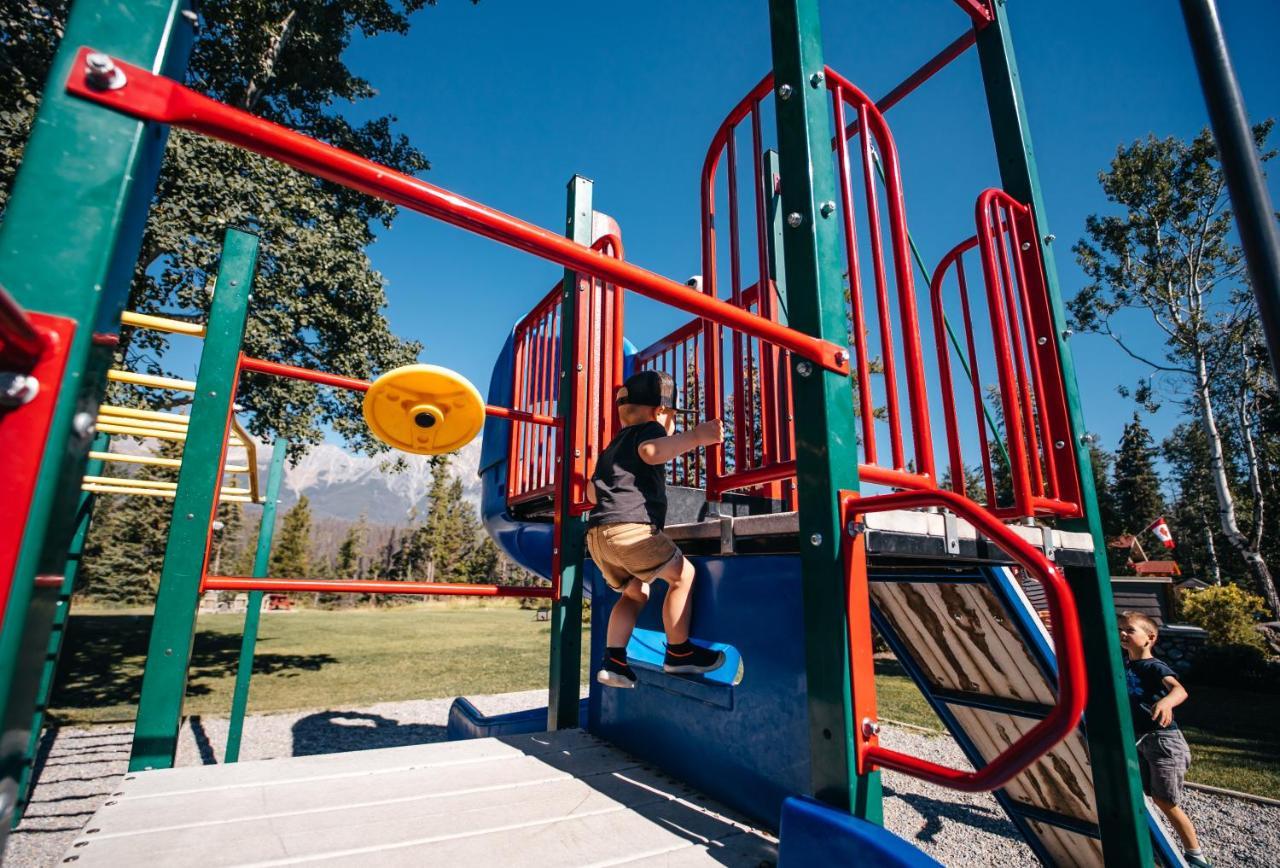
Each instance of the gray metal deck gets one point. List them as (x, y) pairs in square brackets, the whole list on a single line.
[(550, 799)]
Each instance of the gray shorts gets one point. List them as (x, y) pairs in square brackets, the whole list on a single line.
[(1163, 758)]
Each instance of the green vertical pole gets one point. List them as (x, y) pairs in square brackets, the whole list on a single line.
[(244, 669), (58, 629), (566, 609), (71, 233), (826, 439), (1112, 756), (164, 680), (773, 238)]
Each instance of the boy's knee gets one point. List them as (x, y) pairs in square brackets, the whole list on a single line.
[(679, 572), (1163, 804), (636, 590)]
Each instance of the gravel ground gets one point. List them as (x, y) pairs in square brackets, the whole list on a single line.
[(82, 766)]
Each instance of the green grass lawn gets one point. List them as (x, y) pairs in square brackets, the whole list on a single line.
[(358, 657)]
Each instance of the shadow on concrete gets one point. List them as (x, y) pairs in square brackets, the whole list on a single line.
[(337, 731)]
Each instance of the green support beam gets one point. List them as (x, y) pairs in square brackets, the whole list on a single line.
[(1113, 758), (566, 610), (164, 681), (826, 439), (72, 229), (261, 561), (772, 169), (58, 630)]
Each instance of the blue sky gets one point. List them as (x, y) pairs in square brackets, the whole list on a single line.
[(510, 99)]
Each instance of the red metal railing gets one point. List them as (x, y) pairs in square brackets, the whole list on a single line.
[(1040, 455), (1064, 626), (21, 343), (761, 416), (533, 449)]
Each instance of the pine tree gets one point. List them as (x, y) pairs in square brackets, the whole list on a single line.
[(1138, 500), (291, 556), (348, 565)]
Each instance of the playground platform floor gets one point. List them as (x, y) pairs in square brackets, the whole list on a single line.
[(549, 799)]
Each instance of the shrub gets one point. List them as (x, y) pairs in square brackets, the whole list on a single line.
[(1228, 614)]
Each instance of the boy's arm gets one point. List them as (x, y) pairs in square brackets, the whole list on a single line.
[(1162, 711), (660, 450)]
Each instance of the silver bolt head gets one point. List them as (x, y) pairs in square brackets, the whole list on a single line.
[(841, 357), (869, 728), (784, 91), (17, 389), (1042, 340), (83, 424), (804, 368), (794, 219), (1059, 444), (828, 208), (852, 528), (1048, 239), (1026, 245), (101, 72), (815, 539), (815, 80), (1066, 333)]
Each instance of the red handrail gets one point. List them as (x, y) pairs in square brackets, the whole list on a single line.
[(152, 97), (21, 343), (1064, 626), (369, 586)]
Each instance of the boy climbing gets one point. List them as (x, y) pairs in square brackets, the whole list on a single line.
[(1163, 754), (625, 532)]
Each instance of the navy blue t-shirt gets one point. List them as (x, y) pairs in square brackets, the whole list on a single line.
[(627, 488), (1145, 680)]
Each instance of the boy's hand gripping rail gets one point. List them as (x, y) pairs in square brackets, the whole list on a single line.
[(138, 93), (1065, 629)]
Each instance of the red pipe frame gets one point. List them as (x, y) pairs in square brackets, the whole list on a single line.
[(370, 586), (1064, 625), (154, 98)]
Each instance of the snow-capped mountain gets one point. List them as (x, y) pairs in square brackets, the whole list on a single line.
[(344, 485)]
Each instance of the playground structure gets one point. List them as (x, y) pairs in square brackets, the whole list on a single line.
[(842, 530)]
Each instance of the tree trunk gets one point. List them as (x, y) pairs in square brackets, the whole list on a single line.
[(1226, 503), (1214, 570)]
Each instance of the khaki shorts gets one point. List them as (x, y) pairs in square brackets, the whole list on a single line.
[(630, 551)]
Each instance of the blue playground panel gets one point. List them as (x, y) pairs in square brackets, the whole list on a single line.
[(745, 744), (466, 721), (817, 834)]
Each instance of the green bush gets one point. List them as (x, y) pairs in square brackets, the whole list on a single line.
[(1228, 614)]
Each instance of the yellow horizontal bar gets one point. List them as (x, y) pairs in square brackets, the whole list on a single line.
[(152, 460), (149, 415), (152, 382), (135, 431), (99, 488), (132, 483), (161, 324), (142, 423)]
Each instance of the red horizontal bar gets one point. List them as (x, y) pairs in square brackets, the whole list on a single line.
[(369, 586), (20, 341), (787, 469), (247, 363), (154, 98), (293, 372)]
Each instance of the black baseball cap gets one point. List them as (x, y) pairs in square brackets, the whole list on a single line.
[(651, 389)]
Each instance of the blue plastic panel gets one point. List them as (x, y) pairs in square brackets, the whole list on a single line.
[(466, 721), (814, 834)]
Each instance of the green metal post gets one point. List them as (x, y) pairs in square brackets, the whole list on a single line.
[(164, 680), (70, 238), (58, 630), (261, 560), (773, 238), (566, 610), (826, 438), (1112, 756)]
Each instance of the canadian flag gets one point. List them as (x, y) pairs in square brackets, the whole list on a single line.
[(1160, 528)]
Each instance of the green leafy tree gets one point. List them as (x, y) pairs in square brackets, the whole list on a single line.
[(1227, 613), (291, 554), (349, 552), (317, 299), (1169, 258), (1138, 500)]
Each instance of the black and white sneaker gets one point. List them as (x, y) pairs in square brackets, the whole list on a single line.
[(691, 659), (614, 672)]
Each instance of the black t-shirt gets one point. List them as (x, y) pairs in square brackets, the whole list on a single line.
[(627, 488), (1145, 680)]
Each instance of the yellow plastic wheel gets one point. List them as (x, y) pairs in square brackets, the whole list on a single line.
[(425, 409)]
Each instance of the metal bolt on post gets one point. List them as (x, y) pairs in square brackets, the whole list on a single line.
[(17, 389), (784, 91), (795, 219), (804, 368), (101, 73)]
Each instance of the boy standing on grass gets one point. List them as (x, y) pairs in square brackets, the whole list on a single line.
[(1163, 754), (624, 534)]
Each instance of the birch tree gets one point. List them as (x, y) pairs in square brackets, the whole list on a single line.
[(1168, 266)]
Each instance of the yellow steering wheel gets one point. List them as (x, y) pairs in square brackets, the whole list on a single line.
[(424, 409)]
